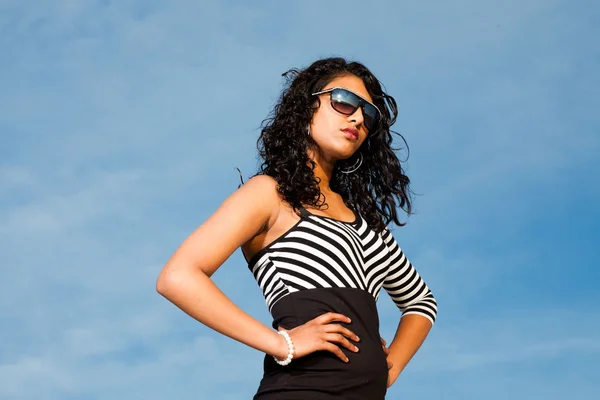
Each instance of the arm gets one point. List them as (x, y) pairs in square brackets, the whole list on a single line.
[(415, 301), (185, 279), (412, 331)]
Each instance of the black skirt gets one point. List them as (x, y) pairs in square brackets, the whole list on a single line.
[(322, 375)]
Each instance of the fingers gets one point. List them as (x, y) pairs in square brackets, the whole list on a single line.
[(330, 317), (326, 335), (335, 328), (386, 351), (335, 350), (339, 338)]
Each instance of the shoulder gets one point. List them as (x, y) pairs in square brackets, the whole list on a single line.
[(261, 185), (260, 192), (388, 237), (265, 181)]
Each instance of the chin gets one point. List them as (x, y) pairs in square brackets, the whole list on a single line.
[(345, 152), (339, 151)]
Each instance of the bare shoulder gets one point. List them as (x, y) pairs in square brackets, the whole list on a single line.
[(263, 184), (246, 213), (281, 218), (260, 192)]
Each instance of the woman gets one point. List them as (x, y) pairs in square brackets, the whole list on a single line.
[(312, 226)]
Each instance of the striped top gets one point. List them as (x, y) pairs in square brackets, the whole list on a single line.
[(322, 252)]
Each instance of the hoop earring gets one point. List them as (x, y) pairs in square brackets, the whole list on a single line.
[(308, 130), (354, 167)]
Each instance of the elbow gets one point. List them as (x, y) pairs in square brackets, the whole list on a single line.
[(167, 281), (173, 280), (425, 306), (162, 285)]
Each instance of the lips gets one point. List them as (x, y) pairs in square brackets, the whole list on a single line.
[(351, 133)]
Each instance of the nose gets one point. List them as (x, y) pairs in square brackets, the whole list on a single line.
[(357, 117)]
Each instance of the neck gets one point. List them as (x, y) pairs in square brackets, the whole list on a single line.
[(323, 170)]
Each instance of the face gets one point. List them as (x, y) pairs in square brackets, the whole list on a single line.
[(338, 136)]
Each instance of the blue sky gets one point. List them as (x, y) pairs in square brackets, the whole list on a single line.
[(122, 123)]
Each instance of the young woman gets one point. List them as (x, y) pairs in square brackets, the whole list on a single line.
[(312, 226)]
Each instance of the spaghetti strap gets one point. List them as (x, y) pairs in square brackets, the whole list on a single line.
[(304, 213)]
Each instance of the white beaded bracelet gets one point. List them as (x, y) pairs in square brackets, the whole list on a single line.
[(290, 355)]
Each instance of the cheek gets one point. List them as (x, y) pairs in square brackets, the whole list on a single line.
[(328, 120), (320, 121)]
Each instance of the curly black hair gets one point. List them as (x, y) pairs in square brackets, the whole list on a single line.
[(375, 190)]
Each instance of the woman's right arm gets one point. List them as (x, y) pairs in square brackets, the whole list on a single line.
[(185, 279)]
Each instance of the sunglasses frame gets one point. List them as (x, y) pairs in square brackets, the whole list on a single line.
[(360, 105)]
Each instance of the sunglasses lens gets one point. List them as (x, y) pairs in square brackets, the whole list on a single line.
[(344, 102), (347, 103), (370, 116)]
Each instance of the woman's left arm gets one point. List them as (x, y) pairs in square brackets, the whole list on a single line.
[(412, 331), (416, 302)]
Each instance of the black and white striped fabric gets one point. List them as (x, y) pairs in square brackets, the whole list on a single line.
[(321, 252)]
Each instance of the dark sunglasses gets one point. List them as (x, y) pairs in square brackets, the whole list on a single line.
[(346, 102)]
